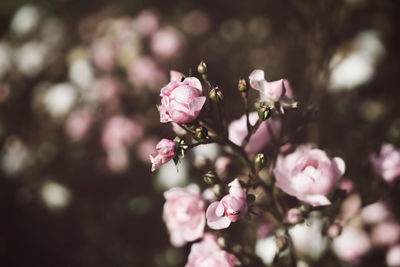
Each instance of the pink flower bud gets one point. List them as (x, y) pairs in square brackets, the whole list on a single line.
[(166, 150), (308, 174), (220, 214), (294, 216), (181, 101)]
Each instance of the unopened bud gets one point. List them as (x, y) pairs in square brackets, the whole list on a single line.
[(259, 161), (334, 230), (202, 67), (250, 198), (216, 95), (264, 113), (201, 132), (281, 242), (217, 190), (210, 177), (242, 86), (221, 242), (294, 216)]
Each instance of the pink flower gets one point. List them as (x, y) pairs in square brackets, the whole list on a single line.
[(308, 174), (220, 214), (166, 150), (272, 91), (351, 244), (387, 164), (385, 233), (119, 132), (145, 72), (79, 123), (184, 215), (166, 43), (147, 22), (375, 213), (238, 130), (208, 253), (103, 54), (393, 256), (181, 101)]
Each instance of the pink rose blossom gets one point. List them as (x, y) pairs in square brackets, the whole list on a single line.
[(166, 43), (145, 72), (79, 123), (387, 164), (393, 256), (207, 253), (351, 244), (107, 88), (147, 22), (220, 214), (308, 174), (184, 215), (166, 150), (385, 233), (238, 130), (103, 54), (272, 91), (181, 101), (375, 213), (120, 131)]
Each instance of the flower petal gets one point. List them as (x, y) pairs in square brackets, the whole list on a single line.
[(216, 222)]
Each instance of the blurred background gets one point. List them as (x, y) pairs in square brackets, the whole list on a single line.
[(79, 84)]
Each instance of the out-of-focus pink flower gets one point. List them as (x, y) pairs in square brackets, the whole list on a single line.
[(308, 174), (120, 131), (196, 23), (103, 54), (272, 91), (221, 164), (147, 22), (181, 101), (375, 213), (166, 43), (238, 130), (78, 124), (220, 214), (387, 164), (385, 233), (145, 148), (263, 230), (184, 215), (117, 159), (393, 256), (208, 253), (166, 150), (107, 88), (351, 244), (346, 185), (144, 71)]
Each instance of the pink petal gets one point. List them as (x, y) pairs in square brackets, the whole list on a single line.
[(216, 222), (175, 76), (194, 82)]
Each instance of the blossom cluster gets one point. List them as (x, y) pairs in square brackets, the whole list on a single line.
[(301, 171)]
